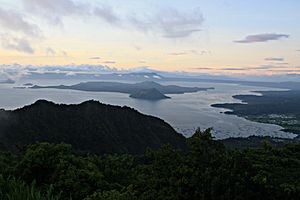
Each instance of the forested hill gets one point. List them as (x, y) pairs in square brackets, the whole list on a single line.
[(88, 127), (206, 171)]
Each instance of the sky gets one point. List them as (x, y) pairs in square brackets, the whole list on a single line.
[(216, 36)]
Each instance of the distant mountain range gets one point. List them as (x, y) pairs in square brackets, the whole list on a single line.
[(158, 76), (89, 127), (7, 81), (144, 90), (128, 76)]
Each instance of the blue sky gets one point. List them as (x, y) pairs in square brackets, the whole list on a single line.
[(216, 36)]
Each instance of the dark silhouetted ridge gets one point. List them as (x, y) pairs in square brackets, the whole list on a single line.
[(89, 127)]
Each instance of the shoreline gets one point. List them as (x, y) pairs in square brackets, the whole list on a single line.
[(268, 109)]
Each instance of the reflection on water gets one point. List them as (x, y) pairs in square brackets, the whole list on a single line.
[(185, 112)]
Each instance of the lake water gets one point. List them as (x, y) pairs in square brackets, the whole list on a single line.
[(185, 112)]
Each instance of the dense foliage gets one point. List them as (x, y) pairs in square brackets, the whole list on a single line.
[(254, 142), (88, 127), (12, 189), (206, 171)]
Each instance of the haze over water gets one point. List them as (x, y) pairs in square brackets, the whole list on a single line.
[(185, 112)]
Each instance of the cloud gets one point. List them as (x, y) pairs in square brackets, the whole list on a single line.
[(109, 62), (282, 63), (269, 67), (12, 71), (288, 71), (18, 32), (70, 68), (178, 54), (16, 43), (169, 23), (138, 48), (16, 71), (95, 58), (203, 52), (234, 69), (202, 68), (262, 67), (175, 24), (50, 52), (274, 59), (16, 22), (144, 69), (107, 14), (55, 10), (21, 33), (262, 38), (64, 53)]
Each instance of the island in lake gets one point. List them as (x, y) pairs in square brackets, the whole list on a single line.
[(273, 107), (148, 90), (28, 84), (149, 94)]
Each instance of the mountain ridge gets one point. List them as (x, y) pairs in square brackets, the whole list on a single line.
[(89, 127)]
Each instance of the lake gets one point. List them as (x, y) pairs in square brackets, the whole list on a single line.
[(185, 112)]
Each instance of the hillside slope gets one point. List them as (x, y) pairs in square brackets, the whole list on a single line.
[(88, 127), (149, 94)]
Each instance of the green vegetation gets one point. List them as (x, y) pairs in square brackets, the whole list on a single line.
[(253, 142), (273, 107), (12, 189), (88, 127), (205, 171)]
